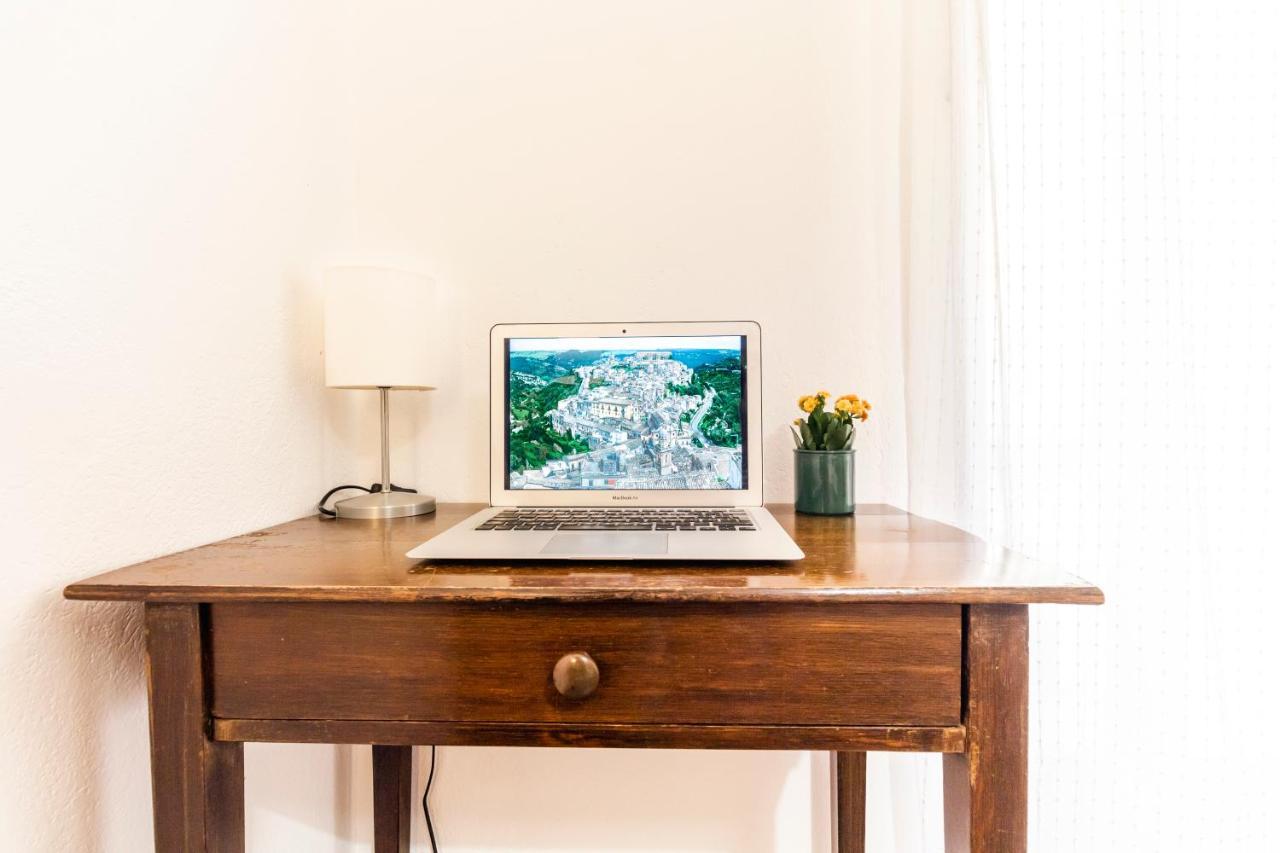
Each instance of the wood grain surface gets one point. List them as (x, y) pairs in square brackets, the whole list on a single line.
[(985, 788), (894, 633), (761, 664), (197, 784), (944, 739), (392, 798), (849, 798), (880, 554)]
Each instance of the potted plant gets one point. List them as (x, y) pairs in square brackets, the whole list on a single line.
[(824, 453)]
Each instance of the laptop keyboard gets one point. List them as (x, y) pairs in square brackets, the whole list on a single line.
[(620, 519)]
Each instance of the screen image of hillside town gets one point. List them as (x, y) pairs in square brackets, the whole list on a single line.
[(625, 413)]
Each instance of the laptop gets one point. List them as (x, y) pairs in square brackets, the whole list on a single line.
[(622, 441)]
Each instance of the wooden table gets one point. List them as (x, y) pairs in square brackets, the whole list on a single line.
[(894, 633)]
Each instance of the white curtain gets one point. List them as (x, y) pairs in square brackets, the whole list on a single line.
[(1091, 216)]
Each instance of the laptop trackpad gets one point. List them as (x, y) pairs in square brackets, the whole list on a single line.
[(606, 544)]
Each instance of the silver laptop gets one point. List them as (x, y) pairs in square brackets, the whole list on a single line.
[(622, 441)]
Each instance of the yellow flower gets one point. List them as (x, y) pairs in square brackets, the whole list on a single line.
[(823, 395), (843, 405), (852, 398), (809, 403)]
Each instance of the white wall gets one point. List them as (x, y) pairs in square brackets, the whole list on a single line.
[(170, 179), (634, 161), (173, 182)]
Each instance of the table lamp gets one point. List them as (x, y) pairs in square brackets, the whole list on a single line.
[(375, 337)]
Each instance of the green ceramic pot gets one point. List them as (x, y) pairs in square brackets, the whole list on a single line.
[(824, 482)]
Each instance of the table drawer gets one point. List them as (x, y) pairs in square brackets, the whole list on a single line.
[(830, 664)]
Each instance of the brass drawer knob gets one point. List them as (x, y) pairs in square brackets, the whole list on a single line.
[(576, 675)]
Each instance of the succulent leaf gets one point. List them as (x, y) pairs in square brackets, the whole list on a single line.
[(817, 427)]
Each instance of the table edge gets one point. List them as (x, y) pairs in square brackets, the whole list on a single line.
[(1082, 595)]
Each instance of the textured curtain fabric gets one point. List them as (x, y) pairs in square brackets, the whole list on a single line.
[(1091, 216)]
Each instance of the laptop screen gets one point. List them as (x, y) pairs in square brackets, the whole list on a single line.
[(626, 412)]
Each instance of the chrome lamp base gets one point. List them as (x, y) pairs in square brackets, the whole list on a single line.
[(385, 505)]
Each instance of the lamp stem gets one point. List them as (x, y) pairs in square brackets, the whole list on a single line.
[(386, 440)]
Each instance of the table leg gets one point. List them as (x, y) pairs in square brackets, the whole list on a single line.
[(985, 788), (197, 785), (392, 798), (849, 788)]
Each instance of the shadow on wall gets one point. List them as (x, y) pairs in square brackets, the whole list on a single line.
[(81, 665), (564, 800), (591, 800), (498, 800)]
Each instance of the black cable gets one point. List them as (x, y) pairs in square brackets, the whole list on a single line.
[(328, 513), (426, 807), (374, 489)]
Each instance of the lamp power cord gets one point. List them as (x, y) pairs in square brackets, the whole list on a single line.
[(370, 490), (426, 806)]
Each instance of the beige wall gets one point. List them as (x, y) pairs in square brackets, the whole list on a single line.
[(638, 161), (178, 179), (169, 183)]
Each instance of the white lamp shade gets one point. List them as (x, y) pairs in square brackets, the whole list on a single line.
[(376, 329)]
